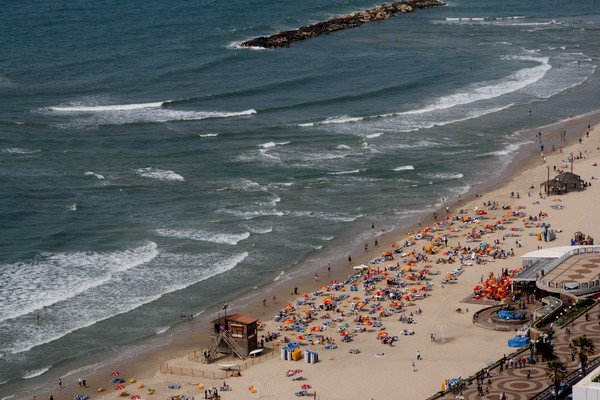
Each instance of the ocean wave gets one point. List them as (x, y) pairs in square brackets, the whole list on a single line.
[(508, 150), (444, 175), (354, 171), (205, 236), (322, 215), (260, 230), (245, 185), (404, 168), (268, 145), (209, 135), (343, 147), (152, 283), (83, 115), (71, 207), (273, 202), (72, 274), (489, 89), (251, 214), (18, 150), (485, 18), (343, 119), (79, 107), (35, 372), (97, 176), (374, 135), (163, 175)]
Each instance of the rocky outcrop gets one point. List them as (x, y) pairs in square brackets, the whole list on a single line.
[(286, 38)]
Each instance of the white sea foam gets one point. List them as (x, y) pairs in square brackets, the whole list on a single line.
[(79, 107), (135, 289), (209, 135), (97, 176), (354, 171), (508, 150), (246, 185), (374, 135), (404, 168), (18, 150), (343, 147), (205, 236), (163, 175), (490, 89), (247, 215), (162, 329), (72, 207), (259, 230), (343, 119), (82, 114), (35, 372), (444, 175), (72, 274), (328, 216), (268, 145)]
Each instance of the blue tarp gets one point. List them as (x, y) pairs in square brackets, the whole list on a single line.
[(518, 341), (504, 314)]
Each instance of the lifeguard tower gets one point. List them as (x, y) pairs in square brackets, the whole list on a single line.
[(233, 334)]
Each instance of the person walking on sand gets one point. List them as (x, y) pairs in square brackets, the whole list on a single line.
[(414, 367), (419, 355)]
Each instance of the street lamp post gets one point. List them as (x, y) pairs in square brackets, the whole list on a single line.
[(548, 181)]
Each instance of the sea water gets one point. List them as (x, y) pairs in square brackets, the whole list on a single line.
[(151, 167)]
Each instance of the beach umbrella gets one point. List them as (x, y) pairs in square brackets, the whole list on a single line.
[(288, 321), (300, 337), (117, 380), (383, 334), (120, 387), (135, 397), (297, 371), (115, 373), (306, 386)]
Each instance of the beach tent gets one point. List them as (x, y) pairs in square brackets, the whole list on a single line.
[(518, 342)]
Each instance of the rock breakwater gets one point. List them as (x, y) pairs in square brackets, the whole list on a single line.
[(388, 10)]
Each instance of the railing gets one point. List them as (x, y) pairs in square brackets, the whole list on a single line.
[(570, 377), (167, 368)]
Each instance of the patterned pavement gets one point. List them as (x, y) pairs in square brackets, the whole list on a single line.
[(513, 382)]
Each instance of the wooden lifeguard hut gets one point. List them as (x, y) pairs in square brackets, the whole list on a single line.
[(235, 334)]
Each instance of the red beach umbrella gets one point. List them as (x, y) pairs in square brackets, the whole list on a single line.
[(306, 386), (115, 373), (135, 397), (120, 387)]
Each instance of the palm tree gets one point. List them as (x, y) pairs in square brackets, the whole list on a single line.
[(584, 348), (557, 371)]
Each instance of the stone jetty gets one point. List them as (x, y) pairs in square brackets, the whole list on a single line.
[(286, 38)]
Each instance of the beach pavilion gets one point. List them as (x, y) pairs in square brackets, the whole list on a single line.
[(562, 183), (569, 270)]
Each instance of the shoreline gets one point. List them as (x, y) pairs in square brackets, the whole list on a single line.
[(183, 338)]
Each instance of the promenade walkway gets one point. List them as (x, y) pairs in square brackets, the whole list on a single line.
[(514, 383)]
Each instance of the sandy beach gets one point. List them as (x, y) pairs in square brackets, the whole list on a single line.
[(379, 370)]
